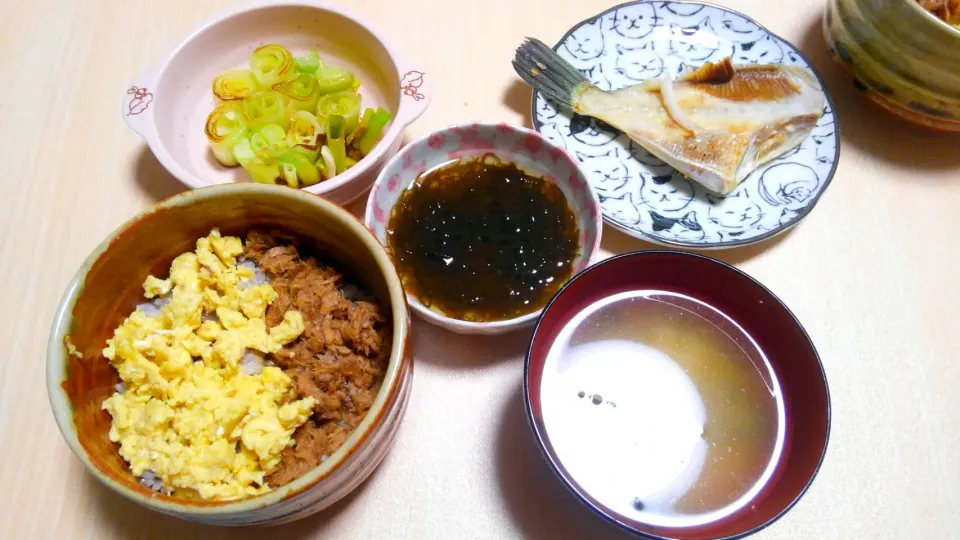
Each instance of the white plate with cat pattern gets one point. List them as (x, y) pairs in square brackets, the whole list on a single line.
[(641, 195)]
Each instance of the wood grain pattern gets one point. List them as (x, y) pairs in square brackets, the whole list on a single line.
[(871, 273)]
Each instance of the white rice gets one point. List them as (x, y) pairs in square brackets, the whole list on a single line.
[(152, 308), (120, 387), (354, 293), (251, 363), (150, 481), (259, 277)]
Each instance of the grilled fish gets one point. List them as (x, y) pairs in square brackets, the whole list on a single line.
[(715, 124)]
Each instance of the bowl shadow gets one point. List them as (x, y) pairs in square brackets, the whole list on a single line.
[(152, 179), (124, 519), (538, 503), (444, 348), (517, 96), (871, 129), (617, 242)]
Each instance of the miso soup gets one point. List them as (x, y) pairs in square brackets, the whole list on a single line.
[(662, 408)]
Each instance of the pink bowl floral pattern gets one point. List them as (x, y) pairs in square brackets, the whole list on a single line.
[(528, 149)]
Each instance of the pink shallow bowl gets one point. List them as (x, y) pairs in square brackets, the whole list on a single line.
[(169, 105), (529, 150), (762, 316)]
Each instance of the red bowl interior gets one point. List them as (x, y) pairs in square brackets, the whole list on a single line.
[(762, 315)]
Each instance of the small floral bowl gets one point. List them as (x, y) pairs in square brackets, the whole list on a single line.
[(524, 147), (169, 105)]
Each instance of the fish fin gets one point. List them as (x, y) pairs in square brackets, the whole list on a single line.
[(711, 72), (547, 72)]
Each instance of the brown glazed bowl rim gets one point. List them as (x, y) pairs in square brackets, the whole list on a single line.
[(541, 437), (57, 355)]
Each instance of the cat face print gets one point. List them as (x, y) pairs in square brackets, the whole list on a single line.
[(765, 50), (824, 138), (636, 21), (552, 133), (682, 229), (666, 193), (791, 184), (736, 213), (683, 9), (697, 42), (585, 44), (638, 63), (736, 28), (788, 215), (606, 171), (590, 131), (621, 208), (547, 111), (595, 75)]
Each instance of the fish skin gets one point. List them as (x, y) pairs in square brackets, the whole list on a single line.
[(745, 118)]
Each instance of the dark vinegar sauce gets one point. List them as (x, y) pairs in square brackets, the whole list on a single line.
[(482, 240)]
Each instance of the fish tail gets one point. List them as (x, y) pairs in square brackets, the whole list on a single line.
[(545, 71)]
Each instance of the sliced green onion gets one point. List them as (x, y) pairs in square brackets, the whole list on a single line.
[(264, 171), (329, 167), (270, 136), (345, 104), (350, 162), (308, 63), (332, 79), (304, 129), (302, 93), (225, 127), (335, 141), (374, 131), (298, 169), (267, 107), (234, 84), (272, 64), (362, 126)]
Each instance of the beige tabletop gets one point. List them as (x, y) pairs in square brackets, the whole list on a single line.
[(872, 274)]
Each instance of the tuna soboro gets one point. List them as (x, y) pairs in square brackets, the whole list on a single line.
[(339, 360)]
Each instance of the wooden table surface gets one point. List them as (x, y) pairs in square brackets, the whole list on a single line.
[(871, 273)]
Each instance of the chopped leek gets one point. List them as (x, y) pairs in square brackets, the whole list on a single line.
[(267, 107), (336, 143), (270, 136), (304, 129), (262, 171), (374, 131), (332, 79), (234, 84), (225, 127), (302, 93), (345, 104), (308, 63), (297, 169), (272, 64), (362, 126), (293, 121), (329, 167)]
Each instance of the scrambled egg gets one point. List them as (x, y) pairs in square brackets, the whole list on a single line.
[(189, 413)]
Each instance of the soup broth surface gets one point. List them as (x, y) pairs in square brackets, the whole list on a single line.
[(662, 408)]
